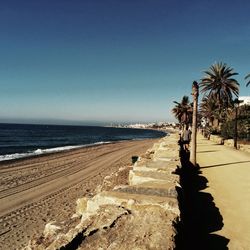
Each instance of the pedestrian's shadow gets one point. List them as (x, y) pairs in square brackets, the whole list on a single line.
[(199, 215)]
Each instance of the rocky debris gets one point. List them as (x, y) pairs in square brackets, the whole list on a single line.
[(51, 229), (144, 228), (117, 178), (139, 213)]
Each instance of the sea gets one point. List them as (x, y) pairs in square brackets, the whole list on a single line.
[(26, 140)]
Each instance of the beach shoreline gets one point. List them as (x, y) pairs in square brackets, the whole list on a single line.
[(32, 189), (3, 163)]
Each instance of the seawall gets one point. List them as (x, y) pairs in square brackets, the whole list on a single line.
[(140, 215)]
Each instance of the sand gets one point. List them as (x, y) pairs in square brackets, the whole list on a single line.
[(41, 189), (228, 174)]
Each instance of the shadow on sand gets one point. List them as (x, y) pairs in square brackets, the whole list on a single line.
[(199, 215)]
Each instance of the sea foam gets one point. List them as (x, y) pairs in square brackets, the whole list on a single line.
[(47, 151)]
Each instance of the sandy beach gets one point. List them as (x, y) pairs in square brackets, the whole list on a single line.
[(38, 190)]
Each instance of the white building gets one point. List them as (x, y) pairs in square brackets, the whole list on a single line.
[(245, 99)]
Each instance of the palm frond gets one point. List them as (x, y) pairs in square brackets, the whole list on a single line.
[(218, 82), (248, 76), (182, 110)]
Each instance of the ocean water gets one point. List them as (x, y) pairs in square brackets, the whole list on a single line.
[(23, 140)]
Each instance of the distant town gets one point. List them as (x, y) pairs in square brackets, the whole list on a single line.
[(154, 125), (245, 100)]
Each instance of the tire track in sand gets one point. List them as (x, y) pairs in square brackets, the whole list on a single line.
[(29, 217)]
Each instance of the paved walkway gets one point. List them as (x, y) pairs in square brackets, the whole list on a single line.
[(228, 173)]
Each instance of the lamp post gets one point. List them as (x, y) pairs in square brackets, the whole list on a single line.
[(236, 105), (195, 94)]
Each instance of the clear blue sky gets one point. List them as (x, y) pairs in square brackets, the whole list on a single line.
[(113, 60)]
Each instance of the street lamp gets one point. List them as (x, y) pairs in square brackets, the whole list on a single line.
[(236, 105)]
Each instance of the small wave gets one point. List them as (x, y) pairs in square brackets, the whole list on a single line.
[(46, 151)]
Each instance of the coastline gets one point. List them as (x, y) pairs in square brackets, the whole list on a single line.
[(22, 148), (32, 189), (50, 151)]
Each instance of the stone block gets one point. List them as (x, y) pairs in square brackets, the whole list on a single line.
[(129, 200), (138, 177), (153, 189), (81, 205), (158, 166)]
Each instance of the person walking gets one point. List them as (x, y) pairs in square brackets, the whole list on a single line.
[(186, 136)]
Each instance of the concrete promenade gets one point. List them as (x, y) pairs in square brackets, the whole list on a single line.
[(228, 181)]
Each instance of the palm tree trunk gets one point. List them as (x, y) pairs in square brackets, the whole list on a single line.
[(195, 93)]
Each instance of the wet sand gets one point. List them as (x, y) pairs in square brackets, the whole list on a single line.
[(38, 190)]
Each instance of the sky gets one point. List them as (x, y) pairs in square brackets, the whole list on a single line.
[(102, 61)]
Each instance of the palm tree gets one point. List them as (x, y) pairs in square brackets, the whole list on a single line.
[(248, 76), (219, 84), (183, 110), (209, 109)]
